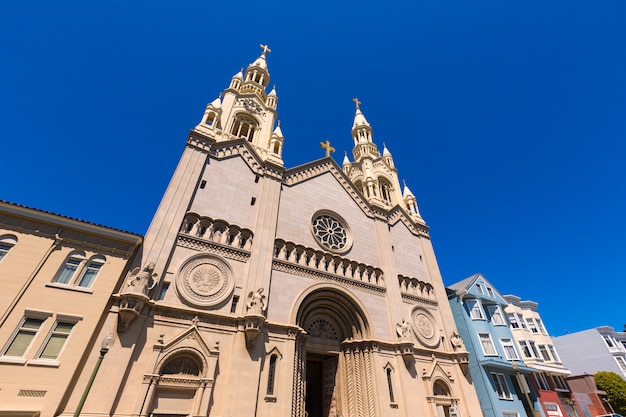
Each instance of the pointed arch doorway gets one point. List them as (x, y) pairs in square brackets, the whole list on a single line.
[(334, 322)]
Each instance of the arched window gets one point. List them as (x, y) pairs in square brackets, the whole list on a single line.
[(385, 190), (80, 271), (390, 385), (6, 243), (181, 365), (441, 389), (271, 375), (244, 127)]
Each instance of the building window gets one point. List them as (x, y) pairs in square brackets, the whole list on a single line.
[(244, 127), (509, 349), (544, 353), (533, 347), (540, 326), (28, 329), (490, 292), (559, 382), (510, 414), (525, 349), (480, 288), (496, 315), (621, 362), (271, 375), (542, 382), (608, 340), (79, 271), (390, 386), (513, 320), (476, 311), (522, 322), (553, 352), (499, 382), (6, 243), (487, 344), (531, 325), (59, 335)]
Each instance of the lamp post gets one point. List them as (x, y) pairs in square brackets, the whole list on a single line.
[(519, 378), (106, 344)]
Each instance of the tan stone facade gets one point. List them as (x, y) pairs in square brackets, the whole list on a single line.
[(57, 276), (265, 291)]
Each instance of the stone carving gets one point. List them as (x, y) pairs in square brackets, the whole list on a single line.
[(402, 329), (141, 281), (457, 342), (256, 302), (423, 324), (205, 281), (322, 329)]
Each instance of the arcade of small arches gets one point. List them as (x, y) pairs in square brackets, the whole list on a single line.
[(217, 231), (380, 188)]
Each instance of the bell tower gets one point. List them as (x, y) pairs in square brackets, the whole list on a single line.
[(375, 175), (245, 110)]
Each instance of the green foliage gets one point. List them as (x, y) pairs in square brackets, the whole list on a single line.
[(615, 387)]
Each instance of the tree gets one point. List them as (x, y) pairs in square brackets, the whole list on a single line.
[(615, 387)]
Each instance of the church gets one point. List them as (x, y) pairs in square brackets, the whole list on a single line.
[(262, 290)]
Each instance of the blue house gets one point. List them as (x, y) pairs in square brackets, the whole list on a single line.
[(495, 366)]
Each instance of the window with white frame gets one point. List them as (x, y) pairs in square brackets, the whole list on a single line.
[(531, 324), (533, 347), (476, 310), (608, 340), (513, 320), (553, 353), (542, 382), (544, 353), (553, 409), (510, 414), (55, 342), (480, 288), (79, 271), (6, 243), (23, 336), (496, 315), (509, 349), (621, 362), (522, 322), (542, 329), (559, 382), (487, 344), (499, 382), (525, 349), (490, 292)]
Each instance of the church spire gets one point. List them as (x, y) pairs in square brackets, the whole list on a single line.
[(247, 111), (362, 136)]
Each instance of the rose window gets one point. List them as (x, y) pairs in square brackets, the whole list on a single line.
[(330, 232)]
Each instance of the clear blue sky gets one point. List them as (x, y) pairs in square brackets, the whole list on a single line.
[(507, 119)]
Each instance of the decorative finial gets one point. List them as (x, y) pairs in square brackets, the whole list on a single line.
[(404, 182), (278, 122), (221, 95), (329, 149), (266, 49), (357, 102)]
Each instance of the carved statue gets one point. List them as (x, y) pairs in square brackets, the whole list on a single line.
[(256, 302), (142, 282), (403, 329), (457, 342)]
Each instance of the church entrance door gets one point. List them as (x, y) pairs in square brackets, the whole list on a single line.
[(321, 389)]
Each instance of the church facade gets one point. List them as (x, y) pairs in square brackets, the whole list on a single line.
[(266, 291)]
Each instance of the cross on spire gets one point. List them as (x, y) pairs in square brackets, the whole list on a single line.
[(329, 149), (266, 49), (357, 102)]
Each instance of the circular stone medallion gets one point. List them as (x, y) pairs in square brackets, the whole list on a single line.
[(424, 327), (205, 281)]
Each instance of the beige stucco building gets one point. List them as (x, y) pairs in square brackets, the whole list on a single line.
[(57, 276), (267, 291)]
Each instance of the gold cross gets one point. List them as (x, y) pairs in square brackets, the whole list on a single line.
[(329, 149), (357, 102), (266, 49)]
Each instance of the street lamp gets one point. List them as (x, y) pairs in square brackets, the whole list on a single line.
[(106, 344), (515, 367)]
